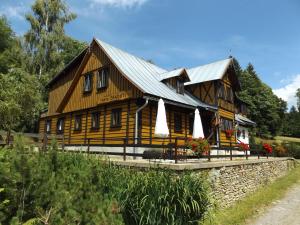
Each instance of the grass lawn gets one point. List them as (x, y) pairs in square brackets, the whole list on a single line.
[(290, 139), (247, 208)]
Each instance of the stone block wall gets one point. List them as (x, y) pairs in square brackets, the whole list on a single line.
[(231, 183)]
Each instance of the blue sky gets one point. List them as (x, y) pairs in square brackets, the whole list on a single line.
[(175, 33)]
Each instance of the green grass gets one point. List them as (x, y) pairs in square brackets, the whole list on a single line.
[(247, 208), (289, 139)]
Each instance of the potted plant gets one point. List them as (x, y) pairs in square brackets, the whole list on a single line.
[(199, 146), (267, 148), (229, 133), (243, 147)]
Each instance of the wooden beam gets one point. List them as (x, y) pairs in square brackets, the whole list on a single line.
[(86, 125), (151, 124), (127, 121), (70, 127), (104, 125)]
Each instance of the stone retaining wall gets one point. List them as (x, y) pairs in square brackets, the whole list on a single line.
[(230, 180), (232, 183)]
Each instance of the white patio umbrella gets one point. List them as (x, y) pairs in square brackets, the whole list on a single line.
[(198, 128), (161, 126)]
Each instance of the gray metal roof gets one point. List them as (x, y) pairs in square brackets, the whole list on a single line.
[(146, 76), (244, 120), (172, 73), (212, 71)]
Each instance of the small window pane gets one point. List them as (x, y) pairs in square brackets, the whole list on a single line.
[(77, 126), (48, 126), (60, 125), (115, 118), (88, 82), (177, 122), (95, 120), (102, 78)]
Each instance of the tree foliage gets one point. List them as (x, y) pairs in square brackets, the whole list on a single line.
[(46, 36), (20, 100), (265, 108)]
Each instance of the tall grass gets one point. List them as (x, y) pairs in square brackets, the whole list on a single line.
[(65, 188)]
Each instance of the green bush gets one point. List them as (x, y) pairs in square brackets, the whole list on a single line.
[(293, 149), (66, 188), (162, 198)]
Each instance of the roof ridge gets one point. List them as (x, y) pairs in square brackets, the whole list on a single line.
[(125, 52), (218, 61)]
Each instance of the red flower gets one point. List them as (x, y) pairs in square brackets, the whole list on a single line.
[(267, 148), (243, 146), (229, 133)]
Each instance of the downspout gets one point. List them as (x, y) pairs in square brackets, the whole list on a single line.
[(136, 123), (217, 130)]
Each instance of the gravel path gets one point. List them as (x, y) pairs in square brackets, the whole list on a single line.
[(282, 212)]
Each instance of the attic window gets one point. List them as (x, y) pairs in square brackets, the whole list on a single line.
[(179, 87), (102, 78), (88, 82)]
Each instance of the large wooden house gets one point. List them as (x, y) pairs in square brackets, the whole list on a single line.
[(106, 94)]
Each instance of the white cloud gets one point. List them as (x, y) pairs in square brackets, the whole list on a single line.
[(288, 92), (120, 3), (16, 12)]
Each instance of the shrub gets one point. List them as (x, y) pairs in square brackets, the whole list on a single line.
[(293, 149), (199, 146), (66, 188), (162, 198)]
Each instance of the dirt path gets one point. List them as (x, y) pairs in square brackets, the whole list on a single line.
[(282, 212)]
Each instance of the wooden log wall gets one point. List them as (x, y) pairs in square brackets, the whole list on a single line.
[(119, 88)]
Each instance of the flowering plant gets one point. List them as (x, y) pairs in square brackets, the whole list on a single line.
[(229, 133), (199, 146), (243, 146), (267, 148)]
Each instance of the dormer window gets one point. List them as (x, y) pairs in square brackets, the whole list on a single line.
[(87, 87), (179, 87), (102, 78)]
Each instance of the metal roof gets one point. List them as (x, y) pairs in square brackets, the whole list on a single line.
[(244, 120), (212, 71), (172, 73), (146, 76)]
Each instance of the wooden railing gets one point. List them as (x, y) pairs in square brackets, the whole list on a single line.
[(172, 150)]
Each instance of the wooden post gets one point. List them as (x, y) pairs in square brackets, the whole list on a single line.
[(209, 155), (124, 148), (45, 140), (176, 142), (88, 148), (247, 153), (230, 150), (63, 143)]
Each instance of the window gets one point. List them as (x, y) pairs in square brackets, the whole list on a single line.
[(226, 124), (222, 91), (95, 120), (179, 87), (77, 126), (88, 82), (191, 124), (48, 126), (102, 78), (60, 126), (229, 93), (177, 122), (115, 120), (244, 134)]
